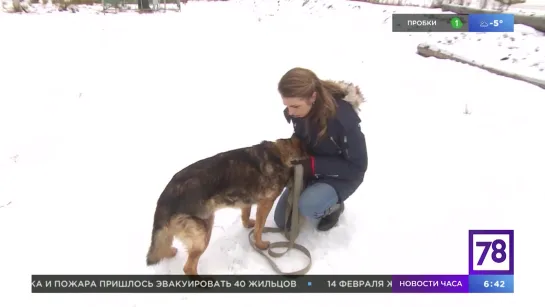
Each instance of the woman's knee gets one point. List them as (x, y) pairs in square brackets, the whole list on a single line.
[(317, 199)]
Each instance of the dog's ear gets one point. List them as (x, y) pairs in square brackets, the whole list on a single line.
[(285, 149), (298, 146), (290, 149)]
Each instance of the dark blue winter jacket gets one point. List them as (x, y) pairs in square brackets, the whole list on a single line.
[(340, 158)]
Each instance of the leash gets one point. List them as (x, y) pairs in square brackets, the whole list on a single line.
[(295, 187)]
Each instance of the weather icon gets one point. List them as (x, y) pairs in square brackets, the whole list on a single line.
[(484, 24)]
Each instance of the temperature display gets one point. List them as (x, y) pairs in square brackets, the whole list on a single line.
[(491, 23)]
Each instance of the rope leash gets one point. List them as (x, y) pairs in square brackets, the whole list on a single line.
[(295, 187)]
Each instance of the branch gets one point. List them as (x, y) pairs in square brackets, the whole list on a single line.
[(9, 203)]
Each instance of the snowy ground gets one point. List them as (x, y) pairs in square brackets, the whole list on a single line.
[(522, 51), (91, 131)]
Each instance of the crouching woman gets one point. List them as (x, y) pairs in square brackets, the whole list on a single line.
[(325, 115)]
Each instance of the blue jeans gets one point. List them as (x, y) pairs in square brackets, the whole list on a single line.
[(314, 202)]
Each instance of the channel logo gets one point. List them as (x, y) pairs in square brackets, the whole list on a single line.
[(491, 261)]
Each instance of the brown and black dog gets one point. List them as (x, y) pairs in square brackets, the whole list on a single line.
[(237, 178)]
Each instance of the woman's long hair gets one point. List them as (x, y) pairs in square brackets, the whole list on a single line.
[(302, 83)]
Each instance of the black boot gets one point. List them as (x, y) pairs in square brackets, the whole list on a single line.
[(329, 221)]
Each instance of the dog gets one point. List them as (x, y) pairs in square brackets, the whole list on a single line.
[(237, 178)]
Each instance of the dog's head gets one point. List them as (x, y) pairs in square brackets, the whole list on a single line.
[(290, 149)]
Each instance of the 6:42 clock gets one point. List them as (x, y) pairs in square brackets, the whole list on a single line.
[(494, 283), (491, 284)]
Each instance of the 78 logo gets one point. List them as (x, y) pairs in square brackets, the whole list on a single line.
[(491, 252)]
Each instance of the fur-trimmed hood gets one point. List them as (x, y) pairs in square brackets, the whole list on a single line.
[(352, 94)]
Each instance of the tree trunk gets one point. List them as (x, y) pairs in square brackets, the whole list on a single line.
[(143, 5), (17, 6)]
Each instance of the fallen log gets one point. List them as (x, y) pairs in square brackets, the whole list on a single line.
[(434, 4), (427, 50)]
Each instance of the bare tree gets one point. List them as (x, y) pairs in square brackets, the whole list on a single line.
[(143, 5), (17, 6), (505, 4)]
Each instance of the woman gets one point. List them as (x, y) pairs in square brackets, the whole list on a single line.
[(325, 115)]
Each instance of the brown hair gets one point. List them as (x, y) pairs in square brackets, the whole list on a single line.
[(302, 83)]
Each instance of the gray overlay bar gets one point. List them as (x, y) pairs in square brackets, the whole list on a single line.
[(212, 284), (427, 23)]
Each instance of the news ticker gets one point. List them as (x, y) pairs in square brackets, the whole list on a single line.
[(273, 284), (491, 270), (453, 23)]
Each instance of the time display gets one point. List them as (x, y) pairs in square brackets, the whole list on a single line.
[(495, 283), (491, 284)]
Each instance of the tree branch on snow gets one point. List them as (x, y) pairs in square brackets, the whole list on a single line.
[(466, 111), (9, 203), (66, 5), (503, 5), (17, 6)]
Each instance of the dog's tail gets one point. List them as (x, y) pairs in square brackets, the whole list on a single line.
[(158, 247), (161, 238)]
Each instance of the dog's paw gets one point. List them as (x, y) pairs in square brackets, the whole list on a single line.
[(249, 224), (262, 244)]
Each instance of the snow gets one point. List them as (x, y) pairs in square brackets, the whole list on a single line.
[(419, 3), (522, 51), (525, 6), (91, 131)]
